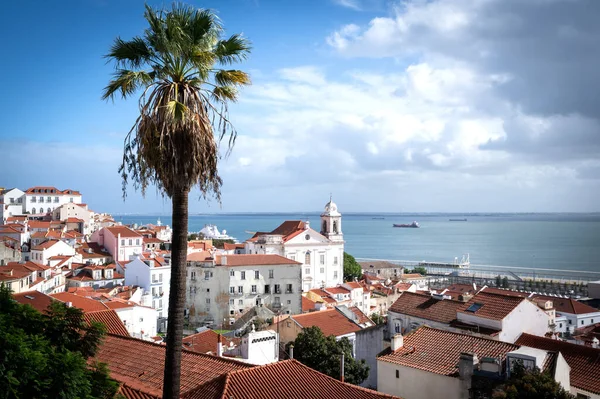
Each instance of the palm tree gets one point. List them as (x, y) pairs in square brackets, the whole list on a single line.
[(177, 67)]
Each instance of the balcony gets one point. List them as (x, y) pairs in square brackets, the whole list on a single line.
[(289, 291)]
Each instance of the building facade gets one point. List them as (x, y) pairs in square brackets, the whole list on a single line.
[(120, 241), (44, 200), (222, 289)]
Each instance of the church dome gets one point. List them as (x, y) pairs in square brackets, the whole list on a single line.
[(331, 209)]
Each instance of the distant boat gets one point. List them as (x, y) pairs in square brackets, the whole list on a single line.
[(458, 220), (377, 218), (413, 225), (211, 232)]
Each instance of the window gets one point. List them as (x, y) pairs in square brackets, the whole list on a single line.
[(33, 199), (71, 200), (322, 259), (33, 210), (322, 270), (289, 302), (397, 327), (232, 301), (153, 291), (160, 303), (277, 289), (208, 290), (293, 257), (397, 373), (122, 242), (474, 307), (271, 273), (41, 199), (256, 274), (137, 241), (232, 290), (207, 300), (560, 325), (130, 241), (243, 275), (48, 199), (160, 277), (232, 273), (267, 289), (582, 396), (307, 258), (581, 322), (55, 199), (307, 270), (232, 312), (335, 260), (241, 302), (335, 274), (288, 289), (240, 289), (254, 289), (207, 275), (570, 321), (592, 321), (160, 290), (193, 275)]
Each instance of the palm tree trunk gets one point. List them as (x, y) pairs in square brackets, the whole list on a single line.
[(176, 296)]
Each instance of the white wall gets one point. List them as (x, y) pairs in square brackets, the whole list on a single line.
[(137, 272), (138, 319), (415, 384), (525, 318), (260, 347)]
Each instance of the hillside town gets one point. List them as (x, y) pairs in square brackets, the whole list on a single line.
[(247, 302)]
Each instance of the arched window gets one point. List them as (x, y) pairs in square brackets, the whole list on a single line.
[(307, 258), (335, 227), (33, 211), (324, 226), (49, 210)]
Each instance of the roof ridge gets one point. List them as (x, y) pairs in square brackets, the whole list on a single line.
[(429, 296), (464, 335)]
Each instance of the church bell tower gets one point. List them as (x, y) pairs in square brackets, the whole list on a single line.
[(331, 222)]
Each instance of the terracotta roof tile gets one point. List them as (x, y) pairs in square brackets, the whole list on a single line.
[(124, 231), (502, 291), (331, 322), (568, 305), (307, 304), (491, 306), (230, 247), (361, 318), (130, 393), (110, 319), (583, 360), (202, 342), (438, 351), (426, 307), (35, 299), (44, 245), (140, 364), (291, 379), (81, 302)]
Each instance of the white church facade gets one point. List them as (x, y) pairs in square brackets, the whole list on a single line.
[(320, 252)]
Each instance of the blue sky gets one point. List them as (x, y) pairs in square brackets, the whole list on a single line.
[(392, 106)]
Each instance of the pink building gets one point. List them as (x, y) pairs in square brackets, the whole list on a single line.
[(120, 241)]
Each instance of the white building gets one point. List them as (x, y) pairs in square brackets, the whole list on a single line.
[(140, 321), (153, 275), (257, 347), (70, 212), (321, 253), (11, 203), (571, 314), (41, 253), (44, 200), (222, 289)]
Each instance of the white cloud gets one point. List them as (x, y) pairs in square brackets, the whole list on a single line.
[(353, 4)]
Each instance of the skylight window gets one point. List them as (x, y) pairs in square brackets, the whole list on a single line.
[(474, 307)]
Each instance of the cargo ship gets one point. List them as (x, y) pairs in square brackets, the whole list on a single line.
[(413, 225)]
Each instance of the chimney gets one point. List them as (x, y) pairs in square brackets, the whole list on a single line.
[(342, 367), (397, 342), (466, 365), (69, 304), (307, 225), (291, 351), (219, 346), (595, 343)]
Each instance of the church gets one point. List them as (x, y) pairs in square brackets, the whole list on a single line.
[(320, 252)]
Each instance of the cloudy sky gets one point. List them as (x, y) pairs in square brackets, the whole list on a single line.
[(401, 106)]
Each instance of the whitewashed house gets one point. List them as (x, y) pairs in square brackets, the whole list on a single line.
[(321, 253), (48, 249), (43, 200), (11, 203), (222, 289)]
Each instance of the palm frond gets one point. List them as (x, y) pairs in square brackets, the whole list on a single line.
[(231, 77), (224, 93), (127, 82), (129, 54), (232, 50)]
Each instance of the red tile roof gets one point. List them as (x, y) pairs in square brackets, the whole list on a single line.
[(307, 304), (38, 224), (583, 360), (337, 290), (290, 379), (81, 302), (140, 364), (411, 276), (438, 351), (198, 256), (254, 260), (568, 305), (123, 231), (331, 322), (426, 307), (110, 319), (493, 306), (131, 393), (353, 284), (45, 245), (361, 318), (503, 291), (230, 247), (202, 342), (35, 299)]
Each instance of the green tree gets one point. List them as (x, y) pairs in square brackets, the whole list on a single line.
[(418, 270), (377, 318), (498, 281), (323, 354), (531, 384), (177, 70), (505, 282), (352, 269), (45, 355)]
